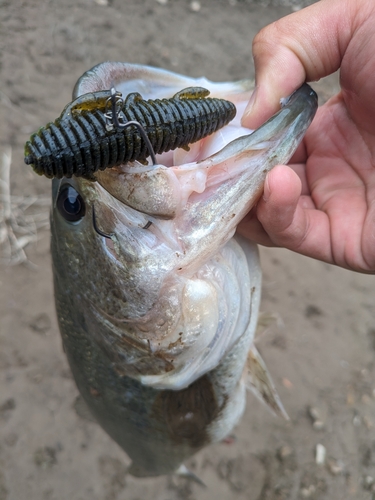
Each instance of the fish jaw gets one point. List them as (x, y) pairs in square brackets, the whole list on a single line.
[(207, 198), (235, 175)]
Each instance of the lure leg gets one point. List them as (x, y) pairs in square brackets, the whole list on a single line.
[(114, 118), (88, 102), (192, 93)]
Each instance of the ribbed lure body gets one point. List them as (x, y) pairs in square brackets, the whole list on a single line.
[(82, 141)]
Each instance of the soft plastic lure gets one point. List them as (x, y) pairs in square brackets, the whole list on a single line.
[(100, 130)]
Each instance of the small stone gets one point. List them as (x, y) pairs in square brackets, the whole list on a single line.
[(320, 454), (312, 310), (162, 2), (368, 422), (313, 413), (9, 404), (366, 399), (350, 398), (318, 425), (41, 323), (335, 467), (279, 341), (104, 3), (195, 6), (368, 482), (308, 492), (36, 377), (287, 383), (284, 452), (45, 457), (357, 421)]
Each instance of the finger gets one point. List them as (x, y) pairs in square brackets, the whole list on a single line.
[(282, 189), (282, 185), (300, 170), (291, 220), (304, 46), (300, 155), (252, 229)]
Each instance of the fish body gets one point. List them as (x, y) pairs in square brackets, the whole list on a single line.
[(157, 299)]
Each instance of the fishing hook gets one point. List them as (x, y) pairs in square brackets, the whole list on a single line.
[(113, 116), (101, 233)]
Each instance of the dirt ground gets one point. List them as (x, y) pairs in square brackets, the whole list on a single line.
[(321, 354)]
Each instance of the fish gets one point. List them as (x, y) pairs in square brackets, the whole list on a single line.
[(157, 297)]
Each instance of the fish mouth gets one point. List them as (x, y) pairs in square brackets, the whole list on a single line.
[(205, 192), (188, 178)]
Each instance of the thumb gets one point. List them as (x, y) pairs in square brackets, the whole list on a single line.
[(304, 46)]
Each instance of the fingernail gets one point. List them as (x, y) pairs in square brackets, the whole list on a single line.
[(250, 105), (267, 189)]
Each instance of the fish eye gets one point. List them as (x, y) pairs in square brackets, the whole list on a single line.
[(70, 204)]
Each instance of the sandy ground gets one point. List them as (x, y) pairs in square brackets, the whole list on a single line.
[(321, 356)]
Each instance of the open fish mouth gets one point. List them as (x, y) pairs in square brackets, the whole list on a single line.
[(210, 162)]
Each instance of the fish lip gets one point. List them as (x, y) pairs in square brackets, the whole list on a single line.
[(300, 107), (305, 91)]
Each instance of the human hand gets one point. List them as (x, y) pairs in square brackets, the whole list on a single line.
[(323, 204)]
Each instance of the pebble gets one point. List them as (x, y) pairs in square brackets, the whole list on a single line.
[(314, 413), (336, 467), (368, 482), (9, 404), (308, 492), (287, 383), (36, 377), (366, 399), (368, 422), (195, 6), (350, 398), (318, 425), (284, 452), (315, 416), (41, 323), (45, 457), (320, 454), (357, 421)]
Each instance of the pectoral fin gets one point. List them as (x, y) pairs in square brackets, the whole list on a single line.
[(259, 381)]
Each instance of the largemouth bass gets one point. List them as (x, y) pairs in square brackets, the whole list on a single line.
[(157, 298)]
